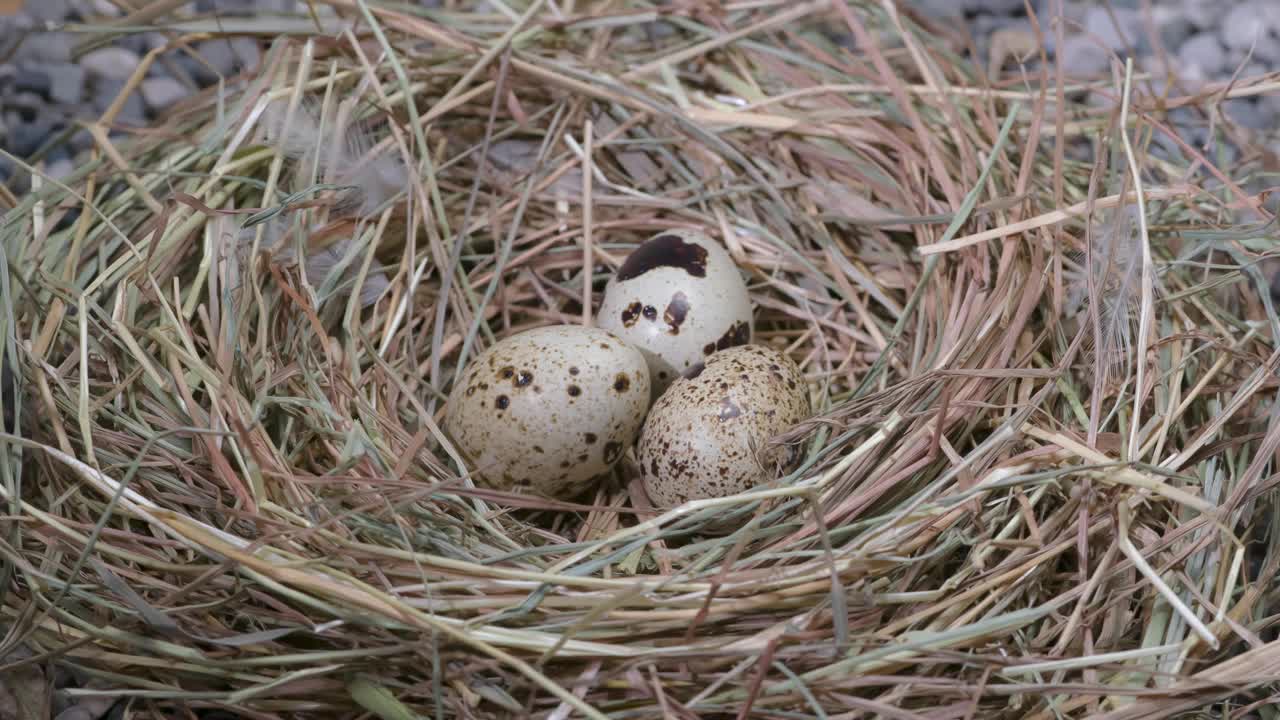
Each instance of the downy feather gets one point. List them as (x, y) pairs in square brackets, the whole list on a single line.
[(336, 151)]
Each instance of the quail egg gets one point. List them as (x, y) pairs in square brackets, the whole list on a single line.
[(678, 298), (705, 437), (547, 410)]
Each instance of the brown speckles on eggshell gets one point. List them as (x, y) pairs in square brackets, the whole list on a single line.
[(630, 314), (687, 313), (676, 312), (702, 435), (590, 438), (531, 427), (728, 410), (621, 383), (612, 451), (668, 250)]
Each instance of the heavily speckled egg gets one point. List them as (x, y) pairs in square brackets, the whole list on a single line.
[(547, 410), (706, 436), (678, 297)]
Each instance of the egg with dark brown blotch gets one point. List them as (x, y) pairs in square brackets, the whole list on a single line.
[(708, 435), (548, 410), (678, 298)]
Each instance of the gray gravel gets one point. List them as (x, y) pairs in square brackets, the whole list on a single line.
[(42, 90)]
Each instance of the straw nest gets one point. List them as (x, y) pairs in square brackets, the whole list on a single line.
[(1039, 483)]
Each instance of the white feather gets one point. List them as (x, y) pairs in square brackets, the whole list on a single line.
[(337, 152)]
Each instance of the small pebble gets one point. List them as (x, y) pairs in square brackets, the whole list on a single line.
[(26, 105), (111, 62), (1246, 113), (105, 8), (1128, 33), (47, 10), (1204, 14), (133, 112), (220, 57), (26, 137), (161, 92), (1174, 30), (60, 168), (67, 83), (225, 7), (80, 141), (1082, 56), (940, 8), (46, 47), (1204, 52), (1240, 27), (31, 79), (248, 52)]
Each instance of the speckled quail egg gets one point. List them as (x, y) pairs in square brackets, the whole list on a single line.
[(706, 436), (547, 410), (678, 297)]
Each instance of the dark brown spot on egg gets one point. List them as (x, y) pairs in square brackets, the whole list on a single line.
[(630, 314), (502, 403), (507, 372), (574, 391), (538, 449), (526, 482), (650, 313), (728, 410), (665, 250), (676, 312), (737, 334), (583, 457), (612, 451), (564, 464), (471, 391), (590, 438), (523, 378), (621, 383), (653, 467), (573, 370), (662, 374)]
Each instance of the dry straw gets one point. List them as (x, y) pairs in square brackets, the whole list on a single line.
[(1041, 483)]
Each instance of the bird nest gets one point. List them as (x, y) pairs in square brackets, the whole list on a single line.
[(1039, 478)]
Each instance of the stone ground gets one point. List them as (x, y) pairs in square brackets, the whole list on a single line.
[(45, 85)]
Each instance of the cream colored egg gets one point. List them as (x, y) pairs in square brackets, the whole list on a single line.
[(547, 410), (678, 297), (706, 436)]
